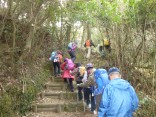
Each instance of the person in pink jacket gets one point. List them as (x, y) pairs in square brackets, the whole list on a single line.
[(67, 77)]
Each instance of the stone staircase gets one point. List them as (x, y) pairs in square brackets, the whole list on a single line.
[(57, 101)]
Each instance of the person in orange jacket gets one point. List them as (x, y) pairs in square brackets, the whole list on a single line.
[(88, 45)]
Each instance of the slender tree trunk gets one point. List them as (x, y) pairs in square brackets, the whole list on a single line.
[(88, 31), (83, 36), (68, 32), (30, 38), (61, 33), (141, 45)]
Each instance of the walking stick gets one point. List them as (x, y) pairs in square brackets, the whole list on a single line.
[(84, 108)]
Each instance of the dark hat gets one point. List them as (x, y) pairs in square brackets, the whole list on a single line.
[(78, 64), (113, 70)]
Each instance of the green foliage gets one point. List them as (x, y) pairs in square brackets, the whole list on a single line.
[(6, 106), (14, 100), (84, 11), (146, 103), (27, 98), (122, 18)]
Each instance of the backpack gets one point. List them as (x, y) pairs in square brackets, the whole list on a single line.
[(60, 58), (101, 79), (81, 71), (72, 46), (56, 58), (88, 43), (52, 56), (106, 42), (70, 65)]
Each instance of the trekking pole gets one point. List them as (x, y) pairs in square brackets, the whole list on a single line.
[(76, 101), (84, 108)]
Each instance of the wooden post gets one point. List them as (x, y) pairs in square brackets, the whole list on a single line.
[(59, 108)]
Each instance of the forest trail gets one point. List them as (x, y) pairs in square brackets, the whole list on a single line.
[(56, 100)]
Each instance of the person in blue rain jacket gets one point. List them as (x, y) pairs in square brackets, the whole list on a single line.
[(101, 80), (119, 98)]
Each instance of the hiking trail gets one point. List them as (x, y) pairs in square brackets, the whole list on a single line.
[(56, 100)]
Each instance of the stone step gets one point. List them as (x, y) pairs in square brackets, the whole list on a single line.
[(55, 86), (56, 79), (47, 108), (66, 107), (62, 114), (61, 95), (57, 95)]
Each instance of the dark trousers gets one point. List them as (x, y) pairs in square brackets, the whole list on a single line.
[(98, 100), (101, 48), (56, 66), (108, 48), (72, 55), (70, 82), (87, 96), (79, 91)]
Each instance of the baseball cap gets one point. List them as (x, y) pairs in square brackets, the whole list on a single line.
[(89, 65), (113, 70)]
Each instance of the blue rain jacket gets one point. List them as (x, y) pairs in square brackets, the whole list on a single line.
[(101, 79), (118, 100)]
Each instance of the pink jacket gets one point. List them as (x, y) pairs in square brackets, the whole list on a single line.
[(66, 73)]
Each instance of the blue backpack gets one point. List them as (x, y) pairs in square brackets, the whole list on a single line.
[(70, 45), (54, 57), (101, 79)]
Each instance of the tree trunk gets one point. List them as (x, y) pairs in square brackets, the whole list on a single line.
[(142, 43), (68, 32), (88, 31), (82, 38)]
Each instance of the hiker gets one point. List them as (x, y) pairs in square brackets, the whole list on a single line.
[(56, 58), (71, 50), (101, 80), (67, 66), (88, 44), (79, 73), (119, 98), (106, 44), (88, 80)]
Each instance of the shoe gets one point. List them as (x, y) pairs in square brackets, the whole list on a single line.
[(59, 75), (95, 112), (89, 106)]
